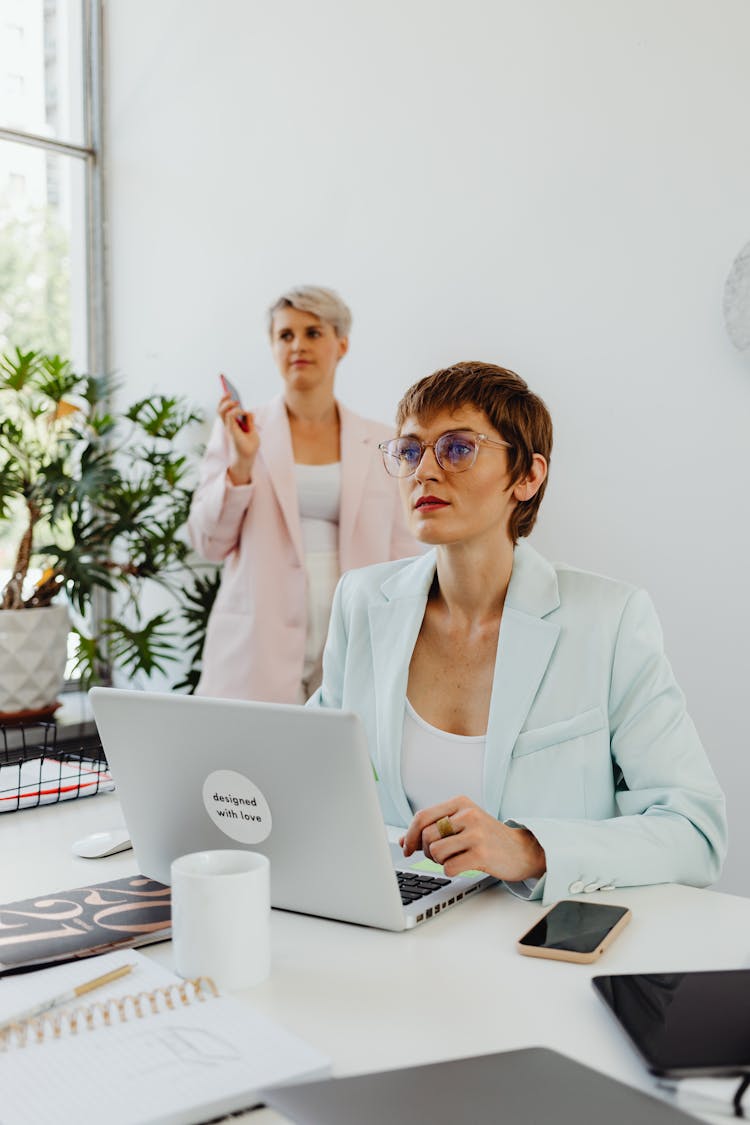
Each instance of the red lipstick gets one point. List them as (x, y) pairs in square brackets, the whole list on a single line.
[(430, 502)]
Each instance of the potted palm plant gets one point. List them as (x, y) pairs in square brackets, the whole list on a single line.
[(95, 501)]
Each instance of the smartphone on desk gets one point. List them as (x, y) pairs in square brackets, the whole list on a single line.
[(574, 931), (229, 389)]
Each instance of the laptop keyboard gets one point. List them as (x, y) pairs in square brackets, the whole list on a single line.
[(413, 886)]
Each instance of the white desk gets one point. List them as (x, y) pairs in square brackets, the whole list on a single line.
[(453, 987)]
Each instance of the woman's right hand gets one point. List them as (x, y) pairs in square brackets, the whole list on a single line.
[(474, 840), (244, 443)]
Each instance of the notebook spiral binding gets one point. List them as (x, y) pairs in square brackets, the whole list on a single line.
[(105, 1013)]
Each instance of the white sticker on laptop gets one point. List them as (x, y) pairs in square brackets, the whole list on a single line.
[(237, 806)]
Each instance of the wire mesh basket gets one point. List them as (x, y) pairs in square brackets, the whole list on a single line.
[(36, 770)]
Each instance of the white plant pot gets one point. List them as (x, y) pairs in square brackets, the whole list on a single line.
[(33, 652)]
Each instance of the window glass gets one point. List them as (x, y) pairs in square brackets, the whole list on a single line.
[(44, 297), (41, 63), (42, 252)]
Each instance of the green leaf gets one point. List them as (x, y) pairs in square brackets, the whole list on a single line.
[(99, 389), (18, 369), (197, 604), (89, 660), (144, 649), (56, 379), (162, 416)]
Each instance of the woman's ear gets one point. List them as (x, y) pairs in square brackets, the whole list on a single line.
[(528, 486), (343, 346)]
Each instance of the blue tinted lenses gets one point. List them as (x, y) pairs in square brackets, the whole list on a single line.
[(453, 451)]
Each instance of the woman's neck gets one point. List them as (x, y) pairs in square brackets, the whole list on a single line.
[(313, 408), (472, 579), (315, 430)]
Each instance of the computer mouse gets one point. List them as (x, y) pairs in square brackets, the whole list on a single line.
[(99, 844)]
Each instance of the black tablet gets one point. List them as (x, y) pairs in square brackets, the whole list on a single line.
[(684, 1024)]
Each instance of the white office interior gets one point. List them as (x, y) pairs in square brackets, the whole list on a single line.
[(560, 188)]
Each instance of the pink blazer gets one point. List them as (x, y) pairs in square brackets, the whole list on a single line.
[(255, 641)]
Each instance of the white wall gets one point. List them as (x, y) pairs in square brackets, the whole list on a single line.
[(558, 187)]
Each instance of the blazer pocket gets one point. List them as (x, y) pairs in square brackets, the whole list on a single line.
[(529, 741)]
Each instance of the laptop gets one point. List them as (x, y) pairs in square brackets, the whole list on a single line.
[(532, 1086), (294, 783)]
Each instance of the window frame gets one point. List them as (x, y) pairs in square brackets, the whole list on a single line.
[(91, 153)]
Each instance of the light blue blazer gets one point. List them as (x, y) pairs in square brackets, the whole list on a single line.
[(589, 745)]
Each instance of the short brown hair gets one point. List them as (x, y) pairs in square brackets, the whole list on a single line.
[(518, 415)]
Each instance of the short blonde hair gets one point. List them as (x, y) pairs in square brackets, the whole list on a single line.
[(323, 303)]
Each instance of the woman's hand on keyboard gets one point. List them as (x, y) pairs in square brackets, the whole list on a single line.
[(478, 842)]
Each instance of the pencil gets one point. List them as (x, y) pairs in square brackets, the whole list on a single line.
[(66, 997)]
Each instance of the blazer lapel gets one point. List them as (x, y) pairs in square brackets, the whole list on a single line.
[(525, 646), (394, 628), (357, 457), (278, 457)]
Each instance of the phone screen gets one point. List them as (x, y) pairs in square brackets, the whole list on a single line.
[(579, 927), (230, 389)]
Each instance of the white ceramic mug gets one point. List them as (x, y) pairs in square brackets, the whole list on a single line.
[(221, 917)]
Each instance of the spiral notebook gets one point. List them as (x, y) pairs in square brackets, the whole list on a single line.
[(152, 1050)]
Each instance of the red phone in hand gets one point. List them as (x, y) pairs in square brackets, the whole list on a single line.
[(230, 389)]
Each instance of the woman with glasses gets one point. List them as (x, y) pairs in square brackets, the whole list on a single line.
[(522, 717), (288, 498)]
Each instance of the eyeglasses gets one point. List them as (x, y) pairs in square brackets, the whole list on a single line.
[(455, 451)]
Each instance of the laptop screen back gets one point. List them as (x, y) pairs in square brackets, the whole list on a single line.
[(533, 1086), (294, 783)]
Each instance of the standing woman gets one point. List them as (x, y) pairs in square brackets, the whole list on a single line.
[(288, 499)]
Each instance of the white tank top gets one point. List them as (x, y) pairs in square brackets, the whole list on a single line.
[(437, 765), (319, 498)]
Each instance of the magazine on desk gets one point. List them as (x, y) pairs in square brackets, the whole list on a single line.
[(83, 922)]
